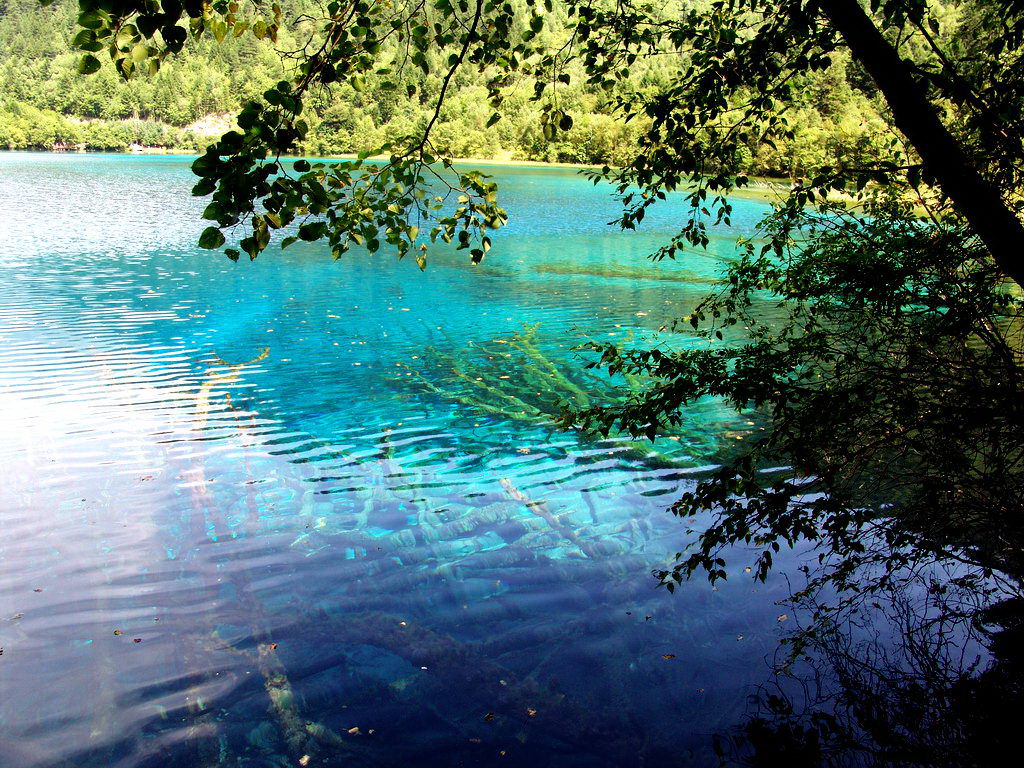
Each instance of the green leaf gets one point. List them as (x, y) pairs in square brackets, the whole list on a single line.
[(312, 231), (88, 64), (84, 37), (211, 238), (90, 20)]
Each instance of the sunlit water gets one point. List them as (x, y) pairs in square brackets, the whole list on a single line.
[(348, 550)]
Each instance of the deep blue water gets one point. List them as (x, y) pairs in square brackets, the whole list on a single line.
[(298, 511)]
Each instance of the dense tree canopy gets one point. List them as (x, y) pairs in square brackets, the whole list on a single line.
[(46, 103), (893, 383)]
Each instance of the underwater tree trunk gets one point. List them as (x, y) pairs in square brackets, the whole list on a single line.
[(978, 200)]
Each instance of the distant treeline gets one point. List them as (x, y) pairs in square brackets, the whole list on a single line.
[(46, 104)]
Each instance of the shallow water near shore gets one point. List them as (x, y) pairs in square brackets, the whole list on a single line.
[(300, 511)]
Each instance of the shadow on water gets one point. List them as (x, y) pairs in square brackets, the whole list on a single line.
[(919, 677)]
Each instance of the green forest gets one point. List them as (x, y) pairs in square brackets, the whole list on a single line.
[(46, 104)]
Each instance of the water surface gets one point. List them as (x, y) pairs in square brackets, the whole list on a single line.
[(298, 511)]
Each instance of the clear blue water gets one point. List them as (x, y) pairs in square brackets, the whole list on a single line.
[(239, 529)]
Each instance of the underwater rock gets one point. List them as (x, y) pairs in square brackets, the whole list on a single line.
[(512, 531), (608, 547), (459, 677), (263, 737)]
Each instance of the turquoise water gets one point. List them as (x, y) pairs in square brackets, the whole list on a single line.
[(308, 512)]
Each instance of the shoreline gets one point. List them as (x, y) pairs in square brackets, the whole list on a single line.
[(756, 185)]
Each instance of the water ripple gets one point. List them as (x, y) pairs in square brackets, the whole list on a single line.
[(249, 508)]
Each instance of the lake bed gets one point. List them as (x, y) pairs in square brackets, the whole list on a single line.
[(300, 508)]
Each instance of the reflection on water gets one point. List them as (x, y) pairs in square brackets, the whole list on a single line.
[(923, 675), (240, 530)]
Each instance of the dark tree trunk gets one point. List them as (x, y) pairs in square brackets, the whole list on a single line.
[(977, 200)]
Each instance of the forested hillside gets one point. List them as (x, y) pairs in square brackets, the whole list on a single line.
[(46, 104)]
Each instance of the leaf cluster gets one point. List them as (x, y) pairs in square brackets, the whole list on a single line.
[(139, 34)]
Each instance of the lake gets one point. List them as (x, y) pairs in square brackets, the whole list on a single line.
[(309, 512)]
